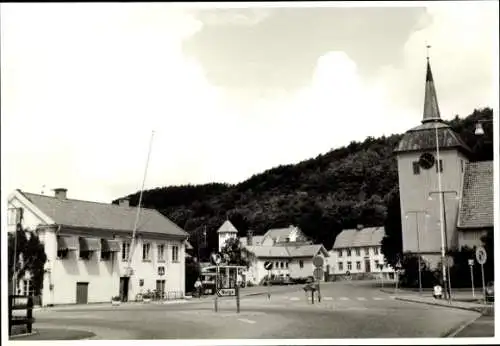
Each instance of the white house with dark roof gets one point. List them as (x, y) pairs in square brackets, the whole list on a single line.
[(88, 245), (287, 248), (467, 187), (358, 252)]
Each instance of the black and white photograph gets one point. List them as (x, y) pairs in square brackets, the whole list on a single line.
[(249, 172)]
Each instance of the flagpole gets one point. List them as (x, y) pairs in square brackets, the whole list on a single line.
[(132, 245)]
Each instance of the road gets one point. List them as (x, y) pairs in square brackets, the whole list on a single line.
[(347, 310)]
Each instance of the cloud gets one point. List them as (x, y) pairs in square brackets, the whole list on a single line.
[(83, 88)]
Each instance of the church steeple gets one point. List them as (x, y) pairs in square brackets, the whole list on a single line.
[(431, 107)]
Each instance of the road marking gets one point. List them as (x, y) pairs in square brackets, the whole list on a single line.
[(294, 298), (327, 298), (378, 298), (344, 298), (246, 321), (361, 298)]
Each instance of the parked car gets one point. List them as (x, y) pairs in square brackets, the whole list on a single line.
[(490, 292)]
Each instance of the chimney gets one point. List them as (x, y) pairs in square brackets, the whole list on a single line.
[(124, 202), (60, 193), (359, 227), (249, 237)]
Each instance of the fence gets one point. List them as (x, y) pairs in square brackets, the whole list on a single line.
[(16, 303)]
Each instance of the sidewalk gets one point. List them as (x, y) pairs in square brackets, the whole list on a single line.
[(460, 299), (91, 306)]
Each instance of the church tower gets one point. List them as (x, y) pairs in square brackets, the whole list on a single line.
[(226, 231), (420, 162)]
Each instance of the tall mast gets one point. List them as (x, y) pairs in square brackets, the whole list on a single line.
[(132, 245)]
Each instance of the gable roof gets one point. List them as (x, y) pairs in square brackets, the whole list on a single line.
[(476, 207), (280, 234), (287, 251), (86, 214), (227, 227), (370, 236), (256, 240)]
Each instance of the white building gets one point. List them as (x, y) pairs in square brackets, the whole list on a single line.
[(88, 245), (358, 252), (287, 248)]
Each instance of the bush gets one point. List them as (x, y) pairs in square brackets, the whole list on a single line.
[(250, 284), (409, 278)]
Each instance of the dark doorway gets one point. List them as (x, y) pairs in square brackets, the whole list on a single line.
[(368, 268), (124, 288), (82, 292), (160, 288)]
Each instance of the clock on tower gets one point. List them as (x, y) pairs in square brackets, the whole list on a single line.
[(426, 160)]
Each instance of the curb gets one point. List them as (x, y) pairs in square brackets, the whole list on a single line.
[(475, 309), (454, 331), (20, 336)]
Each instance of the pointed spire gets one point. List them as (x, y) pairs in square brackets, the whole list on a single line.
[(431, 107)]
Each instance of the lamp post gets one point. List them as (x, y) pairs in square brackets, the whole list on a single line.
[(416, 213), (199, 242), (444, 236), (479, 127)]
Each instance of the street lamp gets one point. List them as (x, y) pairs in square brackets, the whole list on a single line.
[(199, 242), (416, 213), (479, 126), (444, 234)]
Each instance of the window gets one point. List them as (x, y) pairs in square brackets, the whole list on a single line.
[(440, 166), (161, 253), (175, 254), (376, 250), (340, 253), (348, 252), (286, 265), (358, 265), (462, 165), (367, 251), (28, 288), (281, 265), (349, 266), (341, 266), (377, 265), (416, 168), (301, 264), (146, 247), (125, 251), (106, 255), (358, 252), (14, 216)]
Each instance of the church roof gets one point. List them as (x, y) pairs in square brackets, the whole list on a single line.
[(476, 207), (423, 137), (227, 227)]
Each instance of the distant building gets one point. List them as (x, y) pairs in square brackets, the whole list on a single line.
[(467, 187), (288, 249), (88, 245), (358, 252)]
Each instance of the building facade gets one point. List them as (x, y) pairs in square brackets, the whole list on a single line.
[(434, 169), (88, 246), (357, 253)]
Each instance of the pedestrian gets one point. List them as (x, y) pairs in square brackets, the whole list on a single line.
[(438, 291), (197, 286)]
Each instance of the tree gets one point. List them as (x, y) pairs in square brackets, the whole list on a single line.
[(232, 253), (392, 243), (192, 273), (29, 258), (489, 269)]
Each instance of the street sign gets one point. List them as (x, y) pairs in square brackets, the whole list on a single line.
[(215, 258), (318, 273), (318, 261), (226, 292), (471, 262), (481, 255), (449, 260), (268, 265)]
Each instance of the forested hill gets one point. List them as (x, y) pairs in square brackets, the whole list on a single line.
[(322, 195)]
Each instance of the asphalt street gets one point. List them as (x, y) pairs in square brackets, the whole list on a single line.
[(347, 310)]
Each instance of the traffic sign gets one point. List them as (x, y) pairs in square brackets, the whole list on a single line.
[(318, 261), (268, 265), (318, 273), (215, 258), (471, 262), (226, 292), (481, 255)]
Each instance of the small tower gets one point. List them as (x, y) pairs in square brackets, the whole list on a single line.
[(418, 179), (226, 231)]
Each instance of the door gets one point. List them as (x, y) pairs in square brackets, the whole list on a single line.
[(367, 266), (124, 288), (160, 288), (82, 292)]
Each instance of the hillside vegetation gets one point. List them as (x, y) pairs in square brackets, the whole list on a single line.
[(323, 195)]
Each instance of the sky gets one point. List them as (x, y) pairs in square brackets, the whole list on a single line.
[(228, 92)]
